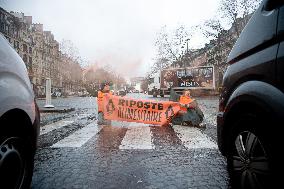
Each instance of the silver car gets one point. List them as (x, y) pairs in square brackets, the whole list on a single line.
[(19, 120)]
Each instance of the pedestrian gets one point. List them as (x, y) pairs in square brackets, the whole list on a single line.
[(189, 114), (104, 89)]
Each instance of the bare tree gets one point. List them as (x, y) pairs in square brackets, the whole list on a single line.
[(211, 28), (164, 45), (171, 47), (101, 75), (67, 47), (233, 12), (158, 65), (230, 10)]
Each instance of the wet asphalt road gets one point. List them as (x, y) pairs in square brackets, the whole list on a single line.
[(74, 152)]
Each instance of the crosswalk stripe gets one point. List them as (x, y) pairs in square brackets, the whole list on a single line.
[(56, 125), (128, 124), (193, 138), (139, 137), (59, 124), (82, 116), (79, 138)]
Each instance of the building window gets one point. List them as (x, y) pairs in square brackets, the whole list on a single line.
[(25, 58), (30, 50), (2, 27), (15, 33), (9, 39), (25, 48), (15, 44)]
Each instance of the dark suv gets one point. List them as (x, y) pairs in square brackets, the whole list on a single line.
[(250, 121)]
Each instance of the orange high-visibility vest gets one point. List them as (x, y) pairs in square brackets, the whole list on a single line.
[(100, 100), (184, 100)]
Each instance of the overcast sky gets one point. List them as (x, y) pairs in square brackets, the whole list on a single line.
[(116, 32)]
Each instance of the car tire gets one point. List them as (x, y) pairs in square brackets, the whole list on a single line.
[(16, 163), (249, 160)]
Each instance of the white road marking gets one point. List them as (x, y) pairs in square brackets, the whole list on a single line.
[(193, 138), (59, 124), (138, 137), (56, 125), (79, 138), (82, 116), (128, 124)]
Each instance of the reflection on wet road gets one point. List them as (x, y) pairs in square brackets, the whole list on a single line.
[(75, 152)]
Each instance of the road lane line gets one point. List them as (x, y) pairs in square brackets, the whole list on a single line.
[(139, 137), (78, 138), (61, 123), (56, 125), (193, 138), (82, 116), (128, 124)]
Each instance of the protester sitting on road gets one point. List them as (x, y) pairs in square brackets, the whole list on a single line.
[(185, 102), (105, 89), (189, 114)]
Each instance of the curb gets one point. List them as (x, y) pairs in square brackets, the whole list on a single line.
[(55, 110)]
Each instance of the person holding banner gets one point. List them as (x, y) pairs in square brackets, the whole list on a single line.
[(189, 114), (105, 89)]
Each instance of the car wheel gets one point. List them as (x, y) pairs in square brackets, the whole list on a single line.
[(249, 159), (16, 163)]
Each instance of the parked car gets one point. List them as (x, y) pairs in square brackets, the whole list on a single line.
[(19, 120), (251, 110), (121, 92), (136, 91), (56, 94)]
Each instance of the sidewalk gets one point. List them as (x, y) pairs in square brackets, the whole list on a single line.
[(59, 108)]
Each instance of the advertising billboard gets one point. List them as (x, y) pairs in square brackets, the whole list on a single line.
[(189, 77)]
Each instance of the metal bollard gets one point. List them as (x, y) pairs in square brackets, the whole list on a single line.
[(48, 94)]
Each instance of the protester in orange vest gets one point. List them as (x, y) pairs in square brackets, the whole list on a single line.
[(186, 102), (105, 89), (189, 114)]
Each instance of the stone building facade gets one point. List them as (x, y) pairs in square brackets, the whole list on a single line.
[(40, 52)]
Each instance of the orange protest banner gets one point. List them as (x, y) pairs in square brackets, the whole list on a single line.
[(137, 110)]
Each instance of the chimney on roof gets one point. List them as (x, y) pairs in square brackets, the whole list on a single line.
[(38, 27), (19, 15), (28, 19)]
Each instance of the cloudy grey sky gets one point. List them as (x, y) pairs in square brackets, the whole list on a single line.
[(116, 32)]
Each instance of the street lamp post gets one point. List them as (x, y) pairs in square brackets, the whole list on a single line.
[(184, 52), (187, 45)]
